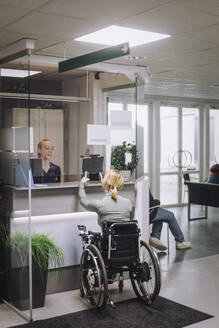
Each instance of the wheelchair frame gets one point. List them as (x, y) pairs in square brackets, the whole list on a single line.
[(100, 263)]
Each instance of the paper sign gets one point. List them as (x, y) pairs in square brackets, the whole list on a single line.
[(128, 158), (120, 119), (118, 136), (98, 134)]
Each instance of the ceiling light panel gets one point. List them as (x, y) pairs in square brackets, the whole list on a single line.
[(20, 73), (114, 35)]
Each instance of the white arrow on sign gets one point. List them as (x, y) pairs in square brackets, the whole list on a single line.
[(125, 49)]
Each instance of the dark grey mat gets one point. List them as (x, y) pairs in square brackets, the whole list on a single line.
[(129, 314)]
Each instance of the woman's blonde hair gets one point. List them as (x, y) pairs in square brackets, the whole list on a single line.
[(113, 181), (40, 145)]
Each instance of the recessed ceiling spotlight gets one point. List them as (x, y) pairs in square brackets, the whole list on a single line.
[(114, 35), (133, 57), (16, 72)]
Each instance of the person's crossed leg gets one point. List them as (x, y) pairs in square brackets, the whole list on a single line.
[(161, 216)]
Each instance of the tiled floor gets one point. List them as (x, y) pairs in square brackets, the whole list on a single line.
[(189, 277)]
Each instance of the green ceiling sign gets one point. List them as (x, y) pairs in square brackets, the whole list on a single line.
[(94, 57)]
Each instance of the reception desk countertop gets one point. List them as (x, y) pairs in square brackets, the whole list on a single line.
[(63, 185)]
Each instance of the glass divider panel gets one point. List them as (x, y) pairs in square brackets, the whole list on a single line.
[(15, 191)]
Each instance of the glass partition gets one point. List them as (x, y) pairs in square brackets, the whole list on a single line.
[(15, 194), (121, 116)]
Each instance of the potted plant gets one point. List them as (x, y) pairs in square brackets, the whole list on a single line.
[(125, 158), (44, 253)]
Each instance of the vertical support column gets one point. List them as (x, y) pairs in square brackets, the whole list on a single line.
[(142, 206), (180, 159), (155, 149), (204, 143), (99, 112), (139, 129)]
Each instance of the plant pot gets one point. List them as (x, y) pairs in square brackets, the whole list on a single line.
[(18, 287), (127, 175)]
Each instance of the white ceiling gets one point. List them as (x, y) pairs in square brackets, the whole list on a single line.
[(190, 55)]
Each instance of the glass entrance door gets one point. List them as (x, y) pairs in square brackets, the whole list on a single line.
[(179, 151)]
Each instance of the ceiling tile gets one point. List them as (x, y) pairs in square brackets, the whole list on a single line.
[(99, 10), (51, 25), (8, 15), (172, 46), (7, 37), (26, 4), (209, 68), (210, 6), (187, 61), (206, 34), (171, 19), (193, 76), (70, 49)]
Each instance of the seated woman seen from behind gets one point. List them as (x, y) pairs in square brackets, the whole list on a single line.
[(214, 174), (112, 207), (51, 172)]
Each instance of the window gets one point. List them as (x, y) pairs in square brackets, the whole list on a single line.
[(190, 139), (169, 138)]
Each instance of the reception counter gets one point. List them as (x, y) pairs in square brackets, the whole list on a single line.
[(56, 211), (58, 197)]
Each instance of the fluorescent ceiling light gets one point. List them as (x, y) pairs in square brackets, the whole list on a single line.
[(115, 34), (17, 72)]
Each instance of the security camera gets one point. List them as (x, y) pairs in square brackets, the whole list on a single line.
[(97, 75)]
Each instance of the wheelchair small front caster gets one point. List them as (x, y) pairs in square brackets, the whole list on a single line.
[(112, 304)]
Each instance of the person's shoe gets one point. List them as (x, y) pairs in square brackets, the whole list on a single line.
[(156, 243), (183, 245)]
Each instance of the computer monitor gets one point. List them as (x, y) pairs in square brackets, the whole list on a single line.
[(37, 169), (93, 164)]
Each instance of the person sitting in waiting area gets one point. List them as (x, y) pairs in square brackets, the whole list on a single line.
[(51, 172), (214, 174), (159, 215), (112, 207)]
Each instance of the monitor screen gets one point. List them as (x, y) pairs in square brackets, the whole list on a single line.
[(92, 164), (37, 170)]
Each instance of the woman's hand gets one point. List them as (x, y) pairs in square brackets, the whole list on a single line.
[(85, 180)]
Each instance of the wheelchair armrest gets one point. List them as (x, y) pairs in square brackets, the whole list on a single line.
[(94, 233)]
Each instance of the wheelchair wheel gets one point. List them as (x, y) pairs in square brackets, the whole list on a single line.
[(93, 277), (145, 276)]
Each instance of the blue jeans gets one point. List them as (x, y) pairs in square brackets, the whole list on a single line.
[(164, 215)]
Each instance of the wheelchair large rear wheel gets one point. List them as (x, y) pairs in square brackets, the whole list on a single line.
[(93, 277), (145, 276)]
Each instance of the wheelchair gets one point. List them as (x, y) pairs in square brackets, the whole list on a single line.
[(116, 251)]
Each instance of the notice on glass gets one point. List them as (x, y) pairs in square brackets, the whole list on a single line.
[(120, 119), (98, 134), (118, 136)]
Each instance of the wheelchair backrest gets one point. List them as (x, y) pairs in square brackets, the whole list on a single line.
[(121, 242)]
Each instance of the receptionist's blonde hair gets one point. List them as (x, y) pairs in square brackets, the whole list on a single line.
[(113, 181)]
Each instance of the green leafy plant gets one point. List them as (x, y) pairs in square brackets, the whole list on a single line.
[(118, 157), (44, 251)]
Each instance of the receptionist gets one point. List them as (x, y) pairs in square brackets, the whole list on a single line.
[(51, 172)]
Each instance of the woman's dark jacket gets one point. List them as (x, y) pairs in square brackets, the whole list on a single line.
[(152, 202)]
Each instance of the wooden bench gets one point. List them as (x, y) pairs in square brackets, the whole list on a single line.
[(206, 194)]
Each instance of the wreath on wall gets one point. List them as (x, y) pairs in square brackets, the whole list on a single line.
[(118, 157)]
